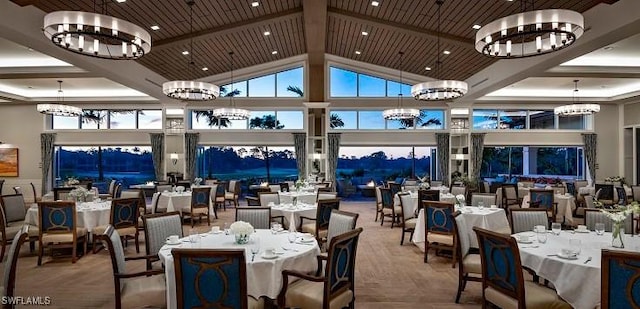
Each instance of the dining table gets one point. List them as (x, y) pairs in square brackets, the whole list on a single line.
[(564, 211), (177, 201), (302, 196), (88, 214), (292, 213), (264, 274), (444, 197), (577, 279)]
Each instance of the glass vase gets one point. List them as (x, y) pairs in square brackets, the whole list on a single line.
[(618, 234), (242, 239)]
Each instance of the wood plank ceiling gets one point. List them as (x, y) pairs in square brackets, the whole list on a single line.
[(221, 26)]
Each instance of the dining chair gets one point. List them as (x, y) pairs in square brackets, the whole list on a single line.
[(163, 188), (408, 220), (378, 204), (340, 222), (110, 190), (439, 233), (619, 279), (622, 196), (200, 200), (593, 216), (487, 198), (486, 187), (225, 282), (35, 194), (524, 219), (335, 289), (323, 189), (133, 290), (436, 183), (284, 187), (274, 187), (503, 283), (13, 213), (571, 188), (540, 198), (389, 209), (10, 265), (326, 195), (233, 193), (469, 266), (320, 223), (217, 197), (154, 202), (58, 228), (258, 217), (123, 216), (458, 190), (604, 193), (18, 190), (394, 187), (635, 193), (61, 193), (268, 197), (510, 198), (157, 227)]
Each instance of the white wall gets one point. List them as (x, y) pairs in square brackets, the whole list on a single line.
[(607, 126)]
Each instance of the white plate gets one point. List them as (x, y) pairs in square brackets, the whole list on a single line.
[(269, 257), (567, 257), (173, 243), (307, 240), (530, 241)]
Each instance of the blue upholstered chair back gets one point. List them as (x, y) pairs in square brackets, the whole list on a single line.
[(571, 188), (395, 188), (57, 217), (325, 207), (220, 189), (124, 212), (200, 197), (622, 195), (387, 197), (428, 195), (620, 279), (501, 267), (544, 198), (439, 216), (118, 191), (341, 264), (607, 191), (210, 278)]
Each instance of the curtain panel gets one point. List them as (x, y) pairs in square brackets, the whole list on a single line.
[(300, 144), (157, 153), (46, 156), (333, 145), (190, 149), (442, 150), (590, 152), (477, 149)]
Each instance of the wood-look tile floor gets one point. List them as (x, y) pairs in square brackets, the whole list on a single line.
[(387, 275)]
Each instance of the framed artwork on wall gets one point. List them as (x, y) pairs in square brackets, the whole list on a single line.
[(9, 162)]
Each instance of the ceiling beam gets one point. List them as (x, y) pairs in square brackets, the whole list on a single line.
[(230, 28), (402, 28), (315, 32)]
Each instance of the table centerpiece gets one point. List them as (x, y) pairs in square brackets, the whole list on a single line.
[(241, 230)]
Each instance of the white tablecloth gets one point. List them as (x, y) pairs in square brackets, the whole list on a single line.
[(494, 219), (575, 282), (287, 210), (264, 277), (89, 215), (566, 206), (414, 199), (307, 197), (177, 201)]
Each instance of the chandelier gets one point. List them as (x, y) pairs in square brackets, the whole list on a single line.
[(576, 108), (530, 33), (231, 112), (59, 109), (97, 35), (440, 89), (400, 112), (190, 90)]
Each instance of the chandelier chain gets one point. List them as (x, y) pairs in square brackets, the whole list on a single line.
[(438, 62)]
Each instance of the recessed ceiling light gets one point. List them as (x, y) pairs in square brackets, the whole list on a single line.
[(476, 27), (375, 3), (266, 33), (365, 33), (427, 69), (609, 48), (358, 52), (255, 4), (155, 28), (274, 52), (446, 52), (120, 1), (186, 52), (205, 69)]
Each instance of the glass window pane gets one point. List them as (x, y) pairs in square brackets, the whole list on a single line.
[(371, 120), (291, 78), (264, 86), (240, 87), (371, 86), (63, 122), (571, 122), (541, 119), (555, 161), (485, 119), (227, 124), (122, 119), (502, 161), (362, 165), (94, 119), (513, 119), (343, 120), (149, 119), (405, 124), (265, 120), (431, 119), (393, 89), (201, 120), (343, 83), (292, 120)]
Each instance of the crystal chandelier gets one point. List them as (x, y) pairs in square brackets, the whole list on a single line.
[(186, 89), (231, 112), (59, 109), (440, 89), (97, 35), (576, 108), (530, 33), (400, 112)]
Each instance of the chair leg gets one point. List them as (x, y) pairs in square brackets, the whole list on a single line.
[(192, 221), (137, 242), (74, 252), (402, 237), (382, 219), (426, 250), (4, 247), (32, 246), (208, 217), (460, 288), (40, 252), (86, 240), (95, 246)]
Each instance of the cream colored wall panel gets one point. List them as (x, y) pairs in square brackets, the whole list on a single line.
[(242, 138), (631, 114), (20, 126), (607, 126), (398, 138)]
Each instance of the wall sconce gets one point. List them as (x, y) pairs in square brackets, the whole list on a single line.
[(174, 158)]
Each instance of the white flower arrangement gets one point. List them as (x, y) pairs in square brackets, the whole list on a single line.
[(615, 179), (197, 180), (72, 181), (460, 199), (80, 193), (241, 228), (300, 184), (618, 215)]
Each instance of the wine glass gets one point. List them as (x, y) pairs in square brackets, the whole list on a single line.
[(227, 231), (599, 228), (193, 235), (480, 205), (254, 247), (556, 228), (292, 237)]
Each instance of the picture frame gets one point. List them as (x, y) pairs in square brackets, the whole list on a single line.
[(9, 162)]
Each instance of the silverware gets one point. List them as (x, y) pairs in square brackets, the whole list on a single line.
[(290, 249), (531, 247), (587, 261), (253, 257), (552, 255)]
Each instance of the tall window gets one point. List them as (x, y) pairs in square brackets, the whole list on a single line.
[(289, 83), (533, 161), (258, 120), (363, 164), (251, 163), (373, 120), (345, 83)]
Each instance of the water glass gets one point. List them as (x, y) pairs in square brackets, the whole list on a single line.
[(227, 231), (480, 205), (274, 227), (542, 236), (193, 235), (255, 245), (575, 245), (292, 237), (556, 228), (600, 228)]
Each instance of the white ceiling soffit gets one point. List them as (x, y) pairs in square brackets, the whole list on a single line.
[(74, 89)]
